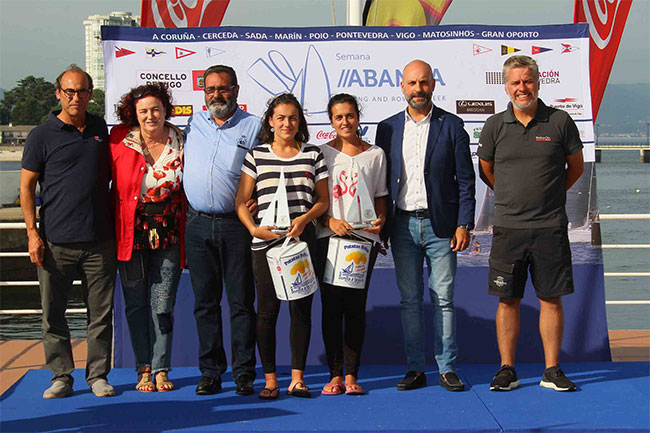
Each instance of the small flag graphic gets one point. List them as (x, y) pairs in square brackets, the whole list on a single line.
[(537, 50), (181, 52), (508, 50), (121, 52)]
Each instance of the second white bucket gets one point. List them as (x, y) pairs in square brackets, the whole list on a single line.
[(292, 270), (347, 262)]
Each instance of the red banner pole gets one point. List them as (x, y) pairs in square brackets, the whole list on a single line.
[(606, 23)]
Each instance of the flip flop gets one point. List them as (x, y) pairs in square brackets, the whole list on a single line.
[(354, 389), (299, 392), (269, 394), (334, 389)]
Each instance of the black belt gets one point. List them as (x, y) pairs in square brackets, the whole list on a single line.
[(228, 215), (419, 214)]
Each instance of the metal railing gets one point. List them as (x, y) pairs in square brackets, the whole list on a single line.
[(619, 217), (4, 226), (14, 226)]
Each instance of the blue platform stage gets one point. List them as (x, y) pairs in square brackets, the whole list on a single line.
[(612, 397)]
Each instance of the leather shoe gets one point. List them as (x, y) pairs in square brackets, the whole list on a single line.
[(451, 382), (412, 380), (208, 386), (244, 385)]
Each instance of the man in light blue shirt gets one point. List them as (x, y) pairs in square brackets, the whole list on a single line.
[(217, 244)]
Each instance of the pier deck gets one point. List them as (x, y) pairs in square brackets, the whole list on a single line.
[(18, 356)]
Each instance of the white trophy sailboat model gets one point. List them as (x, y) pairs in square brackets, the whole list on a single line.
[(278, 218), (361, 212)]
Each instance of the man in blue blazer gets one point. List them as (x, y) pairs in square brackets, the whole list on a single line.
[(431, 179)]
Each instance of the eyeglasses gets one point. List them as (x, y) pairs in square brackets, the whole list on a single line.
[(82, 93), (221, 90)]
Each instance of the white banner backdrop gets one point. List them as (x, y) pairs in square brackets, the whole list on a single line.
[(315, 63)]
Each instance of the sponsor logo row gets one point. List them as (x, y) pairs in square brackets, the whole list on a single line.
[(211, 51), (179, 52), (505, 50)]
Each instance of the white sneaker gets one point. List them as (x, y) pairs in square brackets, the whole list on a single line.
[(59, 389), (101, 388)]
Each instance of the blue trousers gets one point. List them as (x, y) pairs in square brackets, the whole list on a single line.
[(218, 255), (412, 242), (149, 284)]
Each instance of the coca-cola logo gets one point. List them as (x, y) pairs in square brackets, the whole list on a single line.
[(326, 135), (185, 13), (601, 16)]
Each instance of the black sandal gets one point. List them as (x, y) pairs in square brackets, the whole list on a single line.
[(269, 394), (302, 392)]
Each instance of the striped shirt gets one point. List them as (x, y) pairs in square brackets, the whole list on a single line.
[(301, 173)]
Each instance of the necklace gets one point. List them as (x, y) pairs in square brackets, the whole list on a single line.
[(145, 148)]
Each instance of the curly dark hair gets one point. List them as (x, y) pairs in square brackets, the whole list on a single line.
[(125, 110), (343, 98), (266, 135)]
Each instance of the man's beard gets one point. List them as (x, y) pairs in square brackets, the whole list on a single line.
[(524, 107), (418, 105), (221, 107)]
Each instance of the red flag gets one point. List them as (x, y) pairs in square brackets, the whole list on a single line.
[(606, 20), (121, 52), (182, 13)]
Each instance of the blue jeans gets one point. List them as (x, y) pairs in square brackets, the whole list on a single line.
[(413, 240), (149, 283), (218, 252)]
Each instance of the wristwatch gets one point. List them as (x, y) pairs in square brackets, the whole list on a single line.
[(467, 227)]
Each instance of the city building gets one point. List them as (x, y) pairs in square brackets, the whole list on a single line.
[(14, 135), (94, 53)]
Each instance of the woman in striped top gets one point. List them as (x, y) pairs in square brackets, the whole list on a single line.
[(284, 134)]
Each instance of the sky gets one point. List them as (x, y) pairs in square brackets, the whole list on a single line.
[(42, 37)]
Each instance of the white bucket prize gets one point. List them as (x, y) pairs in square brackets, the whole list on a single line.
[(347, 262), (292, 270)]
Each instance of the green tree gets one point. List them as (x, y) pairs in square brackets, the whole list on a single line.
[(28, 102), (96, 105)]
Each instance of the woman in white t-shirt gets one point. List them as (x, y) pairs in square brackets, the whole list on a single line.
[(347, 158), (283, 135)]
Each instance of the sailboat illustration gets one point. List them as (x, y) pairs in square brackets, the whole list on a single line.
[(279, 217), (297, 285), (361, 212), (275, 74), (349, 269), (314, 89)]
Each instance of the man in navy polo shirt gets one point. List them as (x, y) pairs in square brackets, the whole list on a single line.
[(530, 155), (68, 157)]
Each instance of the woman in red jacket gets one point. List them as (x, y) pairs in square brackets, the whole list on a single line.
[(146, 160)]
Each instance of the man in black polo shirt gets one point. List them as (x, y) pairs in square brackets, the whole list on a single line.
[(530, 155), (68, 156)]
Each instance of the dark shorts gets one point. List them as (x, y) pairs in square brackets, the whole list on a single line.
[(545, 251)]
